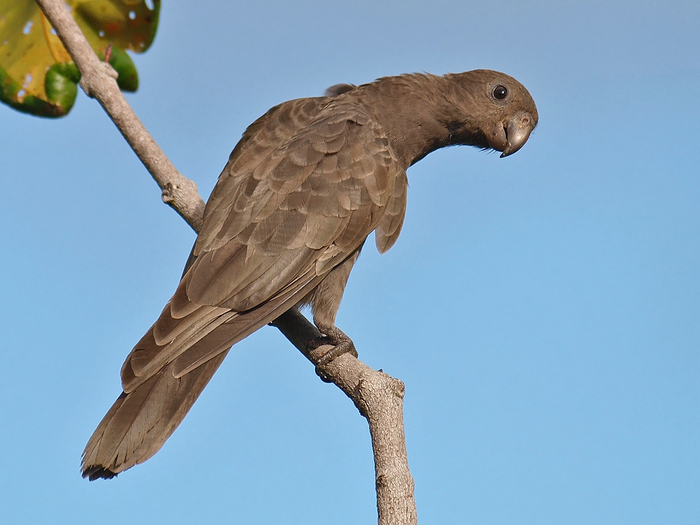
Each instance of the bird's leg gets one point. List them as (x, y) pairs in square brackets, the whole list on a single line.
[(325, 301), (342, 344)]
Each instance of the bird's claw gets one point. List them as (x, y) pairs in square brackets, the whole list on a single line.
[(341, 344)]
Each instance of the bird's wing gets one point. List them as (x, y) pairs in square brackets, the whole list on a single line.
[(286, 210)]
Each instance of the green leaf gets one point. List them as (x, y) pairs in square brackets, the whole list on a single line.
[(36, 72), (128, 79), (61, 85)]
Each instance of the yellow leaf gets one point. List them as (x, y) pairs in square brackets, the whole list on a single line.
[(29, 46)]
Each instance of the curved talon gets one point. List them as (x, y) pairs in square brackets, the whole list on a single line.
[(322, 375), (343, 347), (341, 343)]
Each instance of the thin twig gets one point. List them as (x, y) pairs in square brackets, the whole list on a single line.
[(99, 81)]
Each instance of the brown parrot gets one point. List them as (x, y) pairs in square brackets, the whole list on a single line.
[(302, 190)]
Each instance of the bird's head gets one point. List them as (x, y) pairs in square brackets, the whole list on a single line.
[(497, 111)]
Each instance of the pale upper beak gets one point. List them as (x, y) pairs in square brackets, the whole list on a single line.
[(512, 134)]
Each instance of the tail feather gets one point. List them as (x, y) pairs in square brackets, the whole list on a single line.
[(140, 422), (161, 383)]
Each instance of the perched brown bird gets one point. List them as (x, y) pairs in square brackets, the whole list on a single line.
[(302, 190)]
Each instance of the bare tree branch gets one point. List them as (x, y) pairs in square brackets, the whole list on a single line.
[(377, 396)]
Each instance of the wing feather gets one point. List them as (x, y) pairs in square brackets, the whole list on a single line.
[(390, 224), (302, 190)]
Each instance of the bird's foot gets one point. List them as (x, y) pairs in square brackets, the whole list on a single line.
[(341, 343)]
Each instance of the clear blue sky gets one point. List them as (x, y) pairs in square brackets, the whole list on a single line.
[(543, 310)]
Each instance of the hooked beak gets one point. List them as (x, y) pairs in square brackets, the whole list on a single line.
[(511, 135)]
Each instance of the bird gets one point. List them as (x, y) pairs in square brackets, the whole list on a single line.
[(302, 190)]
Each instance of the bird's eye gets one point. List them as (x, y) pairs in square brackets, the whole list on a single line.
[(500, 92)]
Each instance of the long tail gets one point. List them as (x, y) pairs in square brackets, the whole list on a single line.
[(158, 396), (140, 422)]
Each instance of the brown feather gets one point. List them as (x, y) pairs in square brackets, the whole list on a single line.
[(139, 423)]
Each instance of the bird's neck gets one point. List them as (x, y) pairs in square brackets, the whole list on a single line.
[(418, 114)]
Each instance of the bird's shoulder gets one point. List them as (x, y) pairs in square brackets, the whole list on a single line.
[(308, 183), (323, 155)]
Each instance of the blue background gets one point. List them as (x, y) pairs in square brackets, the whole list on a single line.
[(541, 309)]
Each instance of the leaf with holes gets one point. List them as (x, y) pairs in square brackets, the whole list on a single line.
[(37, 75)]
